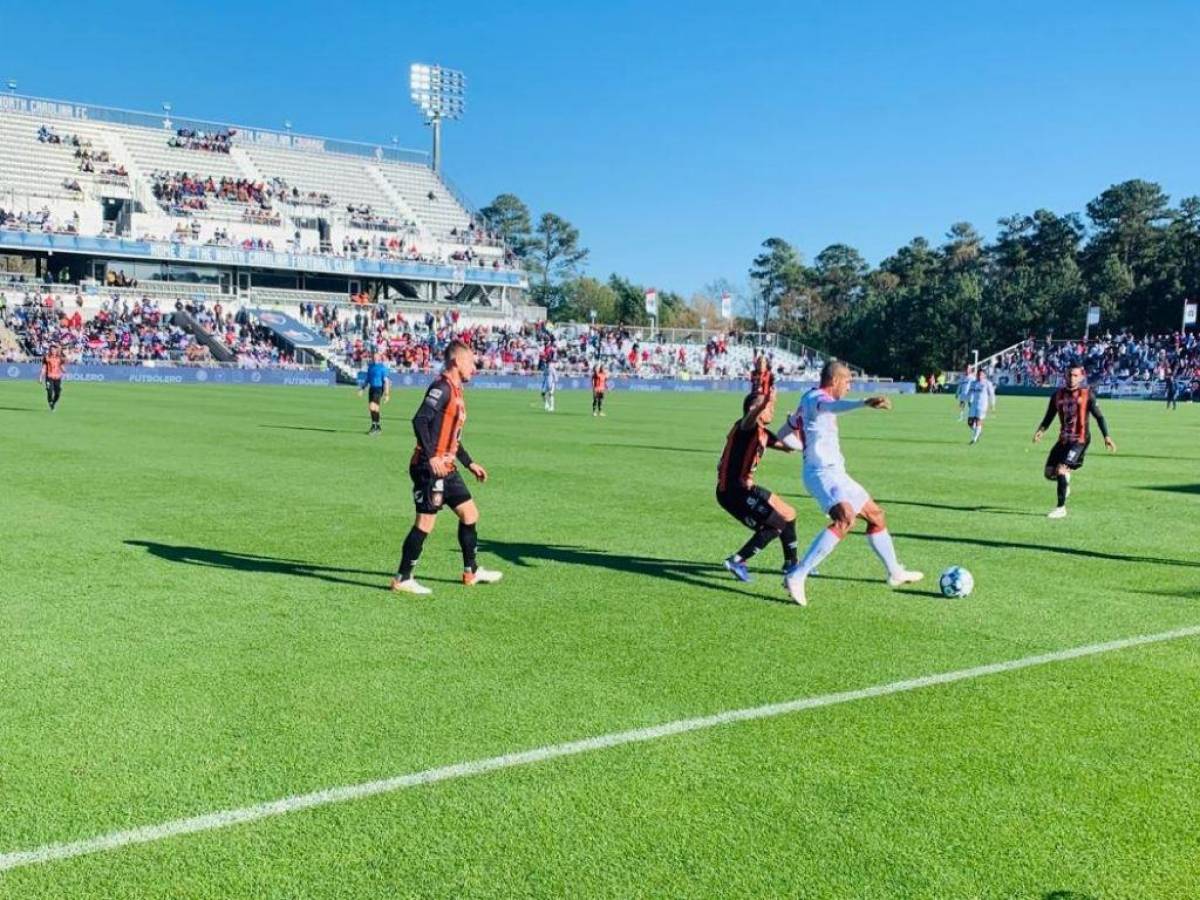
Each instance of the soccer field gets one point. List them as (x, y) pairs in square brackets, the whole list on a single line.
[(195, 620)]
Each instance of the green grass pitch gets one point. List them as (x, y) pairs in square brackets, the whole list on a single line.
[(193, 617)]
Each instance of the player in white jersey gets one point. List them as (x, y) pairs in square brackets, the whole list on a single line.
[(964, 384), (813, 428), (549, 384), (981, 399)]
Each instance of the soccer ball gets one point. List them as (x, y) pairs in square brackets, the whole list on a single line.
[(956, 582)]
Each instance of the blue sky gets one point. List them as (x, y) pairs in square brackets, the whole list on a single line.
[(678, 137)]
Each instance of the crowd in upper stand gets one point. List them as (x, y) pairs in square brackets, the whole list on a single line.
[(1108, 359), (210, 141)]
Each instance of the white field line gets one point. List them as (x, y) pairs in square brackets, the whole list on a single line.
[(225, 818)]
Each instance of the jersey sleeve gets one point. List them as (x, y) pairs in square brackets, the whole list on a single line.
[(1051, 409), (837, 407), (1094, 410), (789, 434), (429, 414)]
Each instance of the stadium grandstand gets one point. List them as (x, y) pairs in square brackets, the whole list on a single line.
[(107, 196), (137, 238)]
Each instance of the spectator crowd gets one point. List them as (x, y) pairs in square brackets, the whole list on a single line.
[(1110, 360)]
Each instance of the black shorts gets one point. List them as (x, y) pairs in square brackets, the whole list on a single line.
[(431, 493), (374, 395), (1069, 455), (750, 507)]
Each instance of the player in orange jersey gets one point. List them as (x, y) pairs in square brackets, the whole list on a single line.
[(767, 514), (599, 389), (438, 425), (1072, 404), (51, 375)]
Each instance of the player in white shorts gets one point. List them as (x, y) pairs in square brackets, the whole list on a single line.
[(981, 399), (549, 386), (963, 384), (813, 428)]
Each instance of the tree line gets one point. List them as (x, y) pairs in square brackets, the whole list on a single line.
[(925, 307)]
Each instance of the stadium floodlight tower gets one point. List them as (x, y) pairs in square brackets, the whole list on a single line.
[(441, 94)]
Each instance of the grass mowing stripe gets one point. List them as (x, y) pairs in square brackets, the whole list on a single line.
[(226, 818)]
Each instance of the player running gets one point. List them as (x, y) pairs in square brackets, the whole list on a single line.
[(964, 385), (549, 385), (813, 428), (51, 375), (438, 425), (378, 383), (599, 389), (1072, 404), (767, 513), (981, 399)]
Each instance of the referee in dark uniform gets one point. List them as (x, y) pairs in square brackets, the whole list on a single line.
[(378, 385)]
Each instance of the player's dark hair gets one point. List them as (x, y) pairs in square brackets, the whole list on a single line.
[(830, 368), (452, 350)]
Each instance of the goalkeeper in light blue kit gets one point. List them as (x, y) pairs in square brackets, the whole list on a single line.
[(981, 399), (549, 384)]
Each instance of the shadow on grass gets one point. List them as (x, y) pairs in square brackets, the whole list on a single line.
[(309, 428), (1048, 548), (906, 440), (703, 450), (211, 558), (695, 574), (18, 409), (1175, 488), (997, 510)]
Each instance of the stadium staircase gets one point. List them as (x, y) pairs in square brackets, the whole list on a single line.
[(393, 195), (249, 170), (221, 353), (10, 347)]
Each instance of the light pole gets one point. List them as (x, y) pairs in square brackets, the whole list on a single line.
[(166, 108), (440, 94)]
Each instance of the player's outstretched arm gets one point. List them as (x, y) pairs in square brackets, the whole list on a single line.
[(878, 402), (1094, 411)]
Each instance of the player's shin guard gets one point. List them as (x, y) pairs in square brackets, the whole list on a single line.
[(881, 543), (411, 553), (823, 544), (1063, 483), (757, 541), (374, 417), (468, 540), (790, 543)]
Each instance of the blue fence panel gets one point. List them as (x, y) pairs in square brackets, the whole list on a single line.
[(175, 375)]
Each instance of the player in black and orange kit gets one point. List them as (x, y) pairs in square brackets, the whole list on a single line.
[(438, 425), (754, 506), (599, 389), (1072, 404), (762, 379), (53, 367)]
